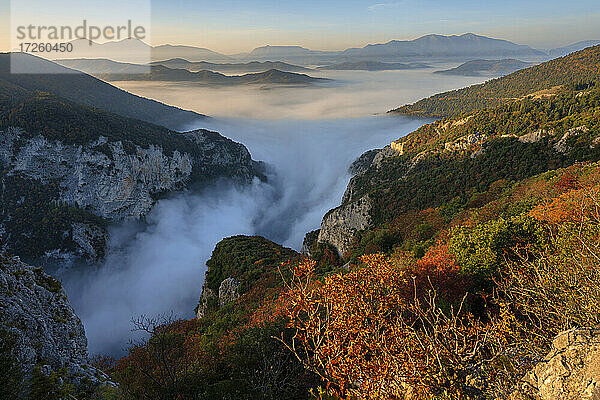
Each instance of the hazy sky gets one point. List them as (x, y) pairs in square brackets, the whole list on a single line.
[(231, 26)]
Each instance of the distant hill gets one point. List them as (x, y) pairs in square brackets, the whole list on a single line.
[(373, 66), (469, 45), (581, 66), (191, 53), (113, 71), (486, 68), (137, 51), (563, 51), (249, 67), (94, 66), (87, 90)]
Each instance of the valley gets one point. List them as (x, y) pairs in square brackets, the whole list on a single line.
[(401, 219)]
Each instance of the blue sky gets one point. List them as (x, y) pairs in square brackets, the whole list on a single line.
[(231, 26)]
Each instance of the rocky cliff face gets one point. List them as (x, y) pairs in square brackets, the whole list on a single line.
[(571, 371), (228, 293), (340, 225), (113, 180), (36, 314)]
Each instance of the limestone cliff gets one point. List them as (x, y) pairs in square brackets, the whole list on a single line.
[(109, 179), (340, 225)]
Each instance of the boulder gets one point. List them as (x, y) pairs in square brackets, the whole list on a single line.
[(570, 371)]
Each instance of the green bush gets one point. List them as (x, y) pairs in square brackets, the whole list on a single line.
[(11, 376), (49, 386), (480, 250)]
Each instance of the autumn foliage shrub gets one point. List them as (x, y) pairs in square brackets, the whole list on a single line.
[(367, 333), (560, 288)]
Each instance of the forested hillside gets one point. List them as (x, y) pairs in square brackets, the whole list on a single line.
[(581, 66), (86, 90)]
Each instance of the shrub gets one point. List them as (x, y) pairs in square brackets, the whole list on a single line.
[(482, 249), (368, 335)]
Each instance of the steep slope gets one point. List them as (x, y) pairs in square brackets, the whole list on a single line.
[(444, 163), (582, 66), (86, 90)]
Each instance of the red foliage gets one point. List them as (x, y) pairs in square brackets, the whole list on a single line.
[(439, 269)]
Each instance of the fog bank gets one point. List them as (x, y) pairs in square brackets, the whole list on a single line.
[(351, 94), (159, 267)]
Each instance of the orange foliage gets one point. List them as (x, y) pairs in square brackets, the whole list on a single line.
[(574, 206), (366, 333)]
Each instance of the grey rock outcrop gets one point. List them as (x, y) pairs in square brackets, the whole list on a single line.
[(228, 291), (309, 239), (204, 303), (115, 180), (534, 137), (341, 224), (561, 145), (362, 163), (571, 371), (376, 157), (91, 239), (34, 309)]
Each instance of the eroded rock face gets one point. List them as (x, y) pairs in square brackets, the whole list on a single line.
[(341, 224), (204, 303), (34, 309), (571, 371), (114, 180), (228, 291)]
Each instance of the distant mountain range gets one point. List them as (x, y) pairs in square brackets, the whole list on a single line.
[(373, 66), (486, 68), (113, 71), (87, 90), (249, 67), (468, 45), (458, 47)]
